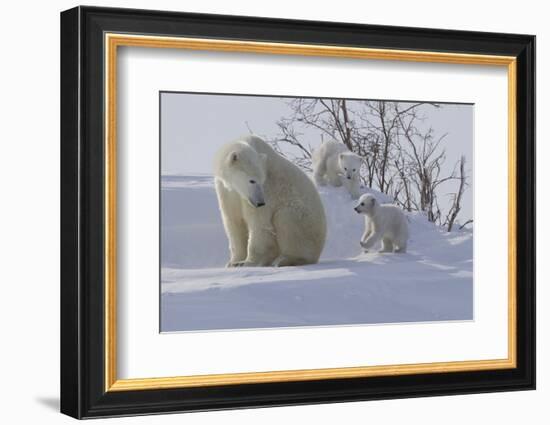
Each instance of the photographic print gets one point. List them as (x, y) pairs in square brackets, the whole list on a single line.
[(331, 190), (282, 212)]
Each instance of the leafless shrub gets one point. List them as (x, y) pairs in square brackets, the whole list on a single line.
[(401, 157)]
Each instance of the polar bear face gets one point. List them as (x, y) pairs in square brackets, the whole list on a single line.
[(367, 204), (246, 173), (350, 165)]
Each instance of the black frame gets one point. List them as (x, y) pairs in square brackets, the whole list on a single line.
[(82, 220)]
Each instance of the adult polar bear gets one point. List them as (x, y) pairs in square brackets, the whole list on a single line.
[(271, 211)]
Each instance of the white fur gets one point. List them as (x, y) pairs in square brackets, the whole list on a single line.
[(272, 212), (386, 223), (334, 164)]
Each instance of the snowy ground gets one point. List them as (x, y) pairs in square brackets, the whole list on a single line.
[(433, 281)]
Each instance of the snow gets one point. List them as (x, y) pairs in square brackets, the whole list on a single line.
[(433, 281)]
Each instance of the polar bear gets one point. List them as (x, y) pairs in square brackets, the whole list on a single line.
[(333, 162), (386, 223), (271, 211)]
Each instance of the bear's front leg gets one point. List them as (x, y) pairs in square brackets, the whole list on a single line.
[(319, 179), (319, 171), (234, 224), (262, 248), (371, 240), (238, 241), (353, 187), (334, 179), (368, 231)]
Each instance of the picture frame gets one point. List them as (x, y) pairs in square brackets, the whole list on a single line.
[(90, 40)]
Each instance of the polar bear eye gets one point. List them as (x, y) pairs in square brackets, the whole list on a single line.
[(345, 169), (362, 204), (353, 169), (252, 181)]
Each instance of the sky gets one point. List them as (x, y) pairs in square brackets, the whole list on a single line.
[(194, 126)]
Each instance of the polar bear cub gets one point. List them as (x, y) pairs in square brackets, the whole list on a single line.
[(271, 210), (386, 223), (335, 164)]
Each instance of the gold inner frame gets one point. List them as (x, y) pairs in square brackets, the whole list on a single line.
[(113, 41)]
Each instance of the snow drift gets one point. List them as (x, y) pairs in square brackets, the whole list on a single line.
[(432, 282)]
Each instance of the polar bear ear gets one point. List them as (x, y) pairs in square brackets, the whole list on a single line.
[(373, 202), (232, 158), (341, 156)]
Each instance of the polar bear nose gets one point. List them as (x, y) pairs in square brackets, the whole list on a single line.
[(260, 204)]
